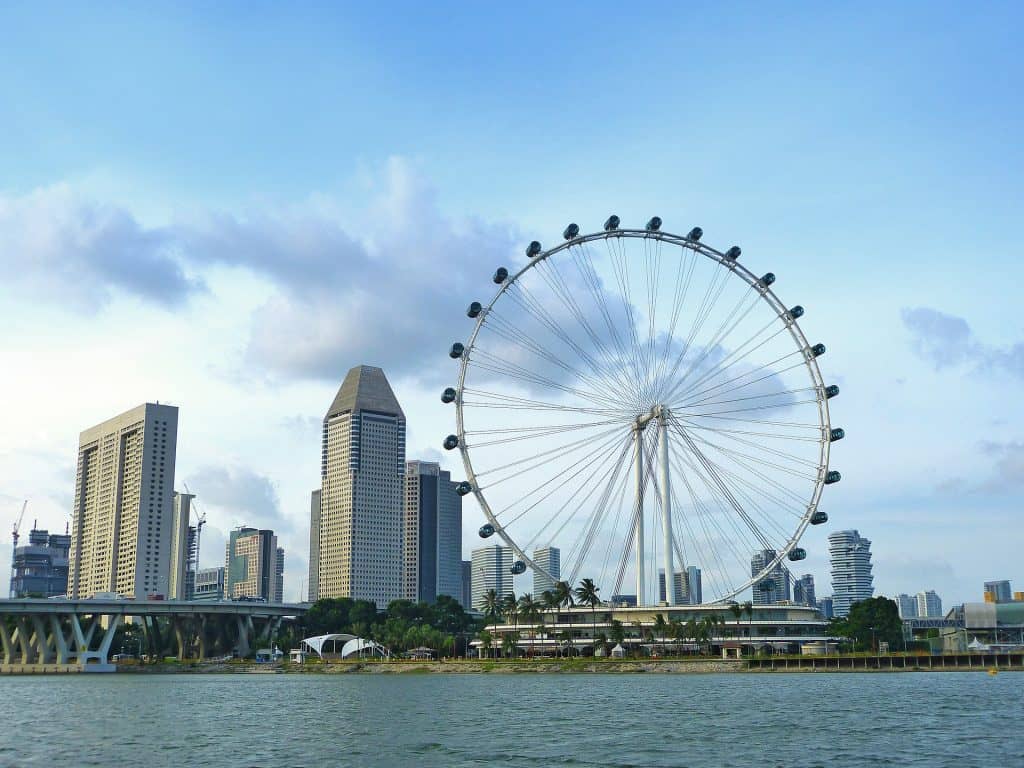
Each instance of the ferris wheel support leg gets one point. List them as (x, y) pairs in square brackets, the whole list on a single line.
[(666, 507), (638, 445)]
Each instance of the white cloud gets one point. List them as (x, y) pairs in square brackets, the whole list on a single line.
[(947, 341)]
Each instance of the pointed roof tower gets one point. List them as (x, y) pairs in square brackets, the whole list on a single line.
[(365, 388)]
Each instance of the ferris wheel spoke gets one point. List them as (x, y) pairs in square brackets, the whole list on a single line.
[(735, 454), (748, 398), (502, 401), (619, 505), (534, 435), (496, 365), (815, 465), (621, 272), (682, 286)]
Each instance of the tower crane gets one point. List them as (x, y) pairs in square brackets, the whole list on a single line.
[(14, 535), (200, 522)]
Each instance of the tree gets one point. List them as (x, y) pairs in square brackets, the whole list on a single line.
[(529, 612), (586, 594), (748, 608), (661, 627), (869, 622), (617, 632), (736, 610), (510, 607), (549, 601), (486, 640)]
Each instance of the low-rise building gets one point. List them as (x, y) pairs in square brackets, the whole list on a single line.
[(41, 568), (209, 584)]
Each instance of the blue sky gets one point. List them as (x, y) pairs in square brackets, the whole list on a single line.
[(205, 176)]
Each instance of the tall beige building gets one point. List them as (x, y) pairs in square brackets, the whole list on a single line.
[(361, 499), (121, 522), (181, 573)]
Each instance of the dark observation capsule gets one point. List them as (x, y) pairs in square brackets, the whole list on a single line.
[(796, 312), (451, 442), (464, 488), (611, 223), (768, 279), (533, 249), (486, 531), (518, 567), (832, 477), (474, 309), (798, 554), (456, 351), (836, 434), (831, 391), (500, 276), (733, 253), (695, 234), (571, 231), (819, 517), (654, 224), (818, 350), (448, 396)]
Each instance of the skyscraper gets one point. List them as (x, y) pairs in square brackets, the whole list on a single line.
[(362, 478), (773, 587), (825, 607), (851, 570), (432, 534), (121, 521), (279, 576), (181, 571), (467, 585), (250, 567), (678, 587), (803, 590), (41, 567), (906, 605), (492, 569), (694, 588), (550, 559), (929, 605), (314, 546), (998, 592)]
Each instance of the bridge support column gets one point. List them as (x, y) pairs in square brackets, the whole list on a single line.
[(179, 637), (201, 637), (5, 642), (60, 643), (242, 646), (42, 639), (28, 655)]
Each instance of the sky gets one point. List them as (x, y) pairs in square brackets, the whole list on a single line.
[(226, 207)]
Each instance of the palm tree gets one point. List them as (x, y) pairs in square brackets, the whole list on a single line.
[(676, 630), (692, 630), (736, 610), (549, 602), (486, 640), (529, 611), (660, 627), (586, 594), (510, 607), (748, 608), (492, 606), (617, 632)]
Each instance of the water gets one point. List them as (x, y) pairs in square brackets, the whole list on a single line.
[(917, 719)]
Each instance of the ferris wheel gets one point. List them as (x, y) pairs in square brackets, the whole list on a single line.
[(647, 406)]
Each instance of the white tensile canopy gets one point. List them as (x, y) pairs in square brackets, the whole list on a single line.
[(350, 644)]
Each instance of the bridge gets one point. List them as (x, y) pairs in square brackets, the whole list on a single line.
[(56, 635)]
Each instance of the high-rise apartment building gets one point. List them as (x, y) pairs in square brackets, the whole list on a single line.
[(851, 570), (678, 587), (181, 573), (362, 483), (432, 537), (929, 605), (279, 576), (998, 592), (906, 605), (773, 587), (492, 569), (803, 590), (550, 559), (825, 607), (209, 584), (250, 567), (123, 509), (40, 568), (314, 546), (694, 588)]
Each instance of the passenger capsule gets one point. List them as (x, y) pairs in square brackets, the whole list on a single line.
[(819, 517), (486, 531), (818, 350), (831, 391), (451, 442), (836, 434), (474, 309), (796, 312), (518, 567), (733, 253), (533, 249), (573, 230), (500, 276), (767, 279), (832, 477), (448, 396), (464, 488), (797, 554), (456, 351), (654, 224), (612, 223), (695, 234)]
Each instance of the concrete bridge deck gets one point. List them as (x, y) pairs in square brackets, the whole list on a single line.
[(48, 633)]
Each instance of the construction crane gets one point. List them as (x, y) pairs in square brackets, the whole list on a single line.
[(200, 522), (14, 535)]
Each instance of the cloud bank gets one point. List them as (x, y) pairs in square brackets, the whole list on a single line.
[(946, 341)]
